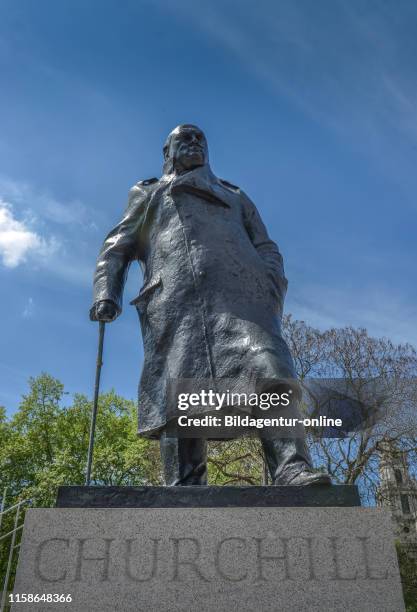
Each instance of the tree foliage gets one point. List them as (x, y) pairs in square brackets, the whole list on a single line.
[(380, 377), (45, 443)]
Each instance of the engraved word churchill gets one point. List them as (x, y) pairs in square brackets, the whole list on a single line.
[(231, 559), (210, 307)]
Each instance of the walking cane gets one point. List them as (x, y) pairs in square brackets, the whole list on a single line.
[(102, 325)]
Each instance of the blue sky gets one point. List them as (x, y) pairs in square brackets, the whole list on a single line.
[(308, 106)]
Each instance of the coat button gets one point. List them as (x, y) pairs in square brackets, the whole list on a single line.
[(201, 274)]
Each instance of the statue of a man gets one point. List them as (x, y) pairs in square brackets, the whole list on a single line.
[(210, 306)]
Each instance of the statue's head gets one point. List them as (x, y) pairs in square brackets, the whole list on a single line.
[(185, 149)]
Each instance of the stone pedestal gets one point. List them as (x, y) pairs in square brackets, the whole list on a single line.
[(207, 497), (167, 559)]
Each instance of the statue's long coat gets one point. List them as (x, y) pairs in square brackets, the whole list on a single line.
[(213, 292)]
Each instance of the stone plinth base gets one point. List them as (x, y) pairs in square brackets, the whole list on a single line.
[(206, 497), (211, 559)]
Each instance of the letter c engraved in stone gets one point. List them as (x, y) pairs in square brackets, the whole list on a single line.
[(38, 573), (221, 571)]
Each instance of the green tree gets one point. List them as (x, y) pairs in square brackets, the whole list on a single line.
[(44, 445)]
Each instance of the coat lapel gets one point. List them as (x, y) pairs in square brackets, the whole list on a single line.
[(204, 184)]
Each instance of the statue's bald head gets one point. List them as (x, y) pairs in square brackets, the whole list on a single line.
[(185, 149)]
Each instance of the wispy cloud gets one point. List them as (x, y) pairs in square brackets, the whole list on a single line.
[(29, 309), (18, 241), (375, 307), (346, 67), (45, 205)]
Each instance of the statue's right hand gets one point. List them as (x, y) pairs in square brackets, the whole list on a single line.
[(106, 311)]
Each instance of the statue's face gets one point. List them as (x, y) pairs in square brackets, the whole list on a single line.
[(188, 148)]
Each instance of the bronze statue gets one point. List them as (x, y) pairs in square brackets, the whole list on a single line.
[(210, 306)]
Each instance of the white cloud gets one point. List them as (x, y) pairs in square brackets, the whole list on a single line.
[(18, 241)]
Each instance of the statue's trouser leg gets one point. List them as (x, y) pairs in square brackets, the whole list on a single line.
[(184, 460), (285, 457), (287, 454)]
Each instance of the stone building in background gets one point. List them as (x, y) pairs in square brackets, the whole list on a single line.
[(398, 491)]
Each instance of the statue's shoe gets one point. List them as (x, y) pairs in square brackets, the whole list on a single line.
[(305, 477)]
